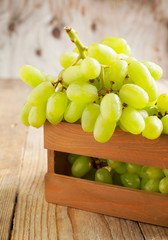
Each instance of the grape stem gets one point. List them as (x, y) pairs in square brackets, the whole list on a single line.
[(75, 39)]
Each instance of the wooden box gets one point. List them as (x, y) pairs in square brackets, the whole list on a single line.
[(97, 197)]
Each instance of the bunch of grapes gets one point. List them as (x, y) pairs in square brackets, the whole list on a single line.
[(102, 88), (119, 173)]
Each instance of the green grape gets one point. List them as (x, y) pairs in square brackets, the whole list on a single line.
[(68, 58), (163, 185), (165, 124), (130, 60), (72, 157), (117, 179), (140, 75), (154, 69), (40, 94), (56, 107), (110, 107), (143, 173), (89, 117), (130, 180), (37, 116), (73, 112), (117, 44), (133, 95), (90, 175), (143, 113), (81, 166), (143, 183), (162, 103), (103, 129), (24, 113), (50, 78), (132, 120), (165, 171), (102, 53), (153, 91), (82, 92), (90, 68), (103, 175), (153, 127), (151, 110), (122, 56), (72, 74), (31, 75), (133, 168), (113, 164), (114, 75), (122, 127), (151, 185), (121, 169), (154, 173)]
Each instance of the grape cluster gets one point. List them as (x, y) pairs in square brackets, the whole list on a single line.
[(102, 88), (119, 173)]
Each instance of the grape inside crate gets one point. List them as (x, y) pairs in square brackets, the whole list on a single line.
[(97, 197)]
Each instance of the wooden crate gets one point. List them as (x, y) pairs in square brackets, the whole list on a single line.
[(97, 197)]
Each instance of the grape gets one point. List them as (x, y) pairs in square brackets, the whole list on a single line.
[(154, 173), (103, 175), (155, 70), (73, 112), (90, 68), (37, 116), (117, 44), (153, 91), (114, 75), (89, 117), (24, 113), (165, 171), (133, 95), (130, 60), (143, 113), (130, 180), (103, 129), (151, 110), (165, 124), (81, 166), (72, 157), (132, 120), (142, 172), (50, 78), (122, 168), (151, 185), (163, 185), (122, 56), (113, 164), (72, 74), (143, 183), (31, 75), (153, 127), (82, 92), (56, 107), (102, 53), (90, 175), (68, 58), (110, 107), (140, 75), (40, 94), (133, 168), (122, 128), (162, 103)]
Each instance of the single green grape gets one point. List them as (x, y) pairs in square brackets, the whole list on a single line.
[(153, 91), (24, 113), (103, 129), (90, 68), (154, 173), (56, 107), (102, 53), (143, 173), (163, 185), (143, 113), (153, 127), (72, 74), (165, 171), (40, 94), (122, 127), (110, 107), (68, 58), (151, 185), (133, 168), (82, 92), (165, 124), (117, 44), (130, 180), (74, 112), (103, 175), (133, 95), (89, 117), (81, 166), (37, 116), (72, 157), (154, 69), (31, 75), (90, 175), (162, 103), (121, 169), (113, 164), (132, 120), (151, 110)]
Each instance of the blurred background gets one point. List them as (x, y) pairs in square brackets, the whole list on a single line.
[(31, 31)]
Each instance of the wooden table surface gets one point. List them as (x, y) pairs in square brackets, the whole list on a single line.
[(24, 213)]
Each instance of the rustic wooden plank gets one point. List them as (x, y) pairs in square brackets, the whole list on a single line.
[(50, 157), (154, 232), (12, 140)]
